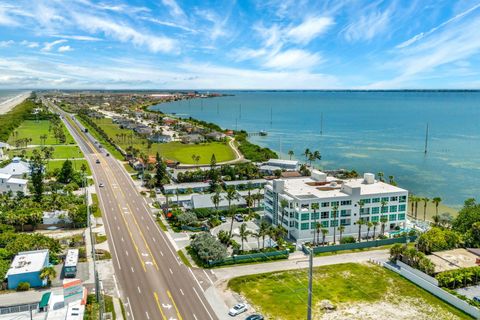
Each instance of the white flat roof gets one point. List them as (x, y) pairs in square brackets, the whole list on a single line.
[(5, 176), (186, 185), (71, 259), (240, 182), (300, 188), (282, 161), (17, 181), (28, 261)]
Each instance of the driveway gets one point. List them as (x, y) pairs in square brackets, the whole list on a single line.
[(251, 242), (470, 292)]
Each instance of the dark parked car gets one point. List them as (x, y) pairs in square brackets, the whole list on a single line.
[(98, 161), (476, 298), (254, 317)]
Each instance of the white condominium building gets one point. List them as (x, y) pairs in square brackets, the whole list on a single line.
[(332, 203)]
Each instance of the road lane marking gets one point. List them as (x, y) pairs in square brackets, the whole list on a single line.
[(161, 252), (130, 306), (123, 240), (181, 291), (171, 272), (147, 227), (132, 269), (126, 252), (118, 228), (203, 304), (194, 316), (208, 277), (154, 239), (175, 305), (148, 317), (139, 291), (158, 305)]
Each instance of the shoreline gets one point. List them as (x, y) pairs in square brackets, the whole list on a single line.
[(9, 104)]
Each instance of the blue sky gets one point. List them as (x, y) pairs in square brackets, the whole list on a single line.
[(170, 44)]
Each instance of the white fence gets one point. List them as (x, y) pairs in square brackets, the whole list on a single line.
[(412, 275)]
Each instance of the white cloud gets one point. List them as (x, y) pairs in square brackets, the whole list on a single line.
[(170, 24), (174, 8), (368, 26), (218, 24), (48, 46), (5, 19), (64, 49), (293, 59), (7, 43), (309, 29), (29, 44), (79, 38)]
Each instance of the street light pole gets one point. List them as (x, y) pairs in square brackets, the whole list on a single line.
[(310, 284)]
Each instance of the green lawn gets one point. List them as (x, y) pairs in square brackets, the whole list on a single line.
[(351, 287), (174, 150), (114, 152), (33, 129), (52, 164), (97, 213), (60, 152)]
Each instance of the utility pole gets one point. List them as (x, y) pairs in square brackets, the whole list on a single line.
[(310, 285), (426, 139)]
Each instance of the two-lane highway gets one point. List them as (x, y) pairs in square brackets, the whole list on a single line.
[(154, 283)]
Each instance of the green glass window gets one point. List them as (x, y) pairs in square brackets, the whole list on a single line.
[(384, 209), (334, 203), (393, 198), (325, 204), (375, 210), (316, 215), (392, 217), (401, 216), (402, 199), (375, 200), (325, 214), (296, 215), (313, 225), (345, 222), (375, 218), (385, 199), (334, 214), (393, 208), (304, 226), (325, 224), (334, 223), (305, 216), (367, 200), (401, 208), (346, 202)]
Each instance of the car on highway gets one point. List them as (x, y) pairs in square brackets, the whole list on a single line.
[(97, 161), (101, 185), (238, 309), (238, 217), (254, 317)]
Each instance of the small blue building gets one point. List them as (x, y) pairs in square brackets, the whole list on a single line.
[(26, 267)]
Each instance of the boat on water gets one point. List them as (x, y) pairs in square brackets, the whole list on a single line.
[(263, 133)]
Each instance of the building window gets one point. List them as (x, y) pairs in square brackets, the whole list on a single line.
[(402, 199), (375, 210), (325, 214), (296, 215), (401, 216), (375, 200), (394, 198), (334, 223), (392, 217), (345, 222), (305, 216), (367, 200), (375, 218), (304, 226), (296, 224), (304, 206), (401, 208), (324, 224), (313, 225), (325, 204), (345, 213), (315, 215), (346, 202), (364, 211), (384, 209), (393, 208), (333, 214), (334, 203)]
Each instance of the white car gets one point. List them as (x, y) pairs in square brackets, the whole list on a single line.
[(101, 185), (237, 309)]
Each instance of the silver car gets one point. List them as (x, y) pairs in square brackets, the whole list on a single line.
[(238, 309)]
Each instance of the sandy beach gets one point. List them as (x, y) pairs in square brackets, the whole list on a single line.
[(7, 105)]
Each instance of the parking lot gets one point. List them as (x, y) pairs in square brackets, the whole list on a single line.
[(251, 242)]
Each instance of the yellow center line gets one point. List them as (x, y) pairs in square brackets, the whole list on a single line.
[(174, 304), (159, 306)]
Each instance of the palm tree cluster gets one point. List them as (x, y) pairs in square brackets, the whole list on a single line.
[(312, 156), (414, 201)]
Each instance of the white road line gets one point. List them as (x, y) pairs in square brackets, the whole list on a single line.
[(208, 277), (118, 228), (138, 288), (181, 291), (195, 278), (130, 306), (203, 304), (126, 252), (114, 217), (142, 217), (154, 239), (123, 240), (148, 317), (116, 285), (195, 317), (161, 252), (147, 227), (171, 272)]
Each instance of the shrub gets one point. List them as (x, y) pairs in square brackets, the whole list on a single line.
[(437, 239), (459, 278), (23, 286), (208, 247), (412, 257), (187, 219), (347, 239)]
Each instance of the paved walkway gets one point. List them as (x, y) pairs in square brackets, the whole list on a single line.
[(300, 261)]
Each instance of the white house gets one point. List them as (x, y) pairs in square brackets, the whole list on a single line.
[(17, 168), (337, 203), (279, 164), (9, 183)]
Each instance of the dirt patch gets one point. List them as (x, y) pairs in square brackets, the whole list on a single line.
[(403, 308)]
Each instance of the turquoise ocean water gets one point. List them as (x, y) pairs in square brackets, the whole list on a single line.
[(8, 94), (365, 131)]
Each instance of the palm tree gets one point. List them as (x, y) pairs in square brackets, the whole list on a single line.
[(283, 205), (244, 233), (417, 200), (369, 226), (360, 203), (341, 229), (380, 176), (324, 234), (48, 273), (383, 220), (290, 153), (230, 196), (263, 231), (334, 212), (360, 223), (257, 236), (437, 201), (412, 202), (306, 153), (425, 202), (216, 198), (375, 224), (318, 226)]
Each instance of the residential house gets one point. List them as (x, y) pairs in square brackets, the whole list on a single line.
[(17, 168), (160, 138), (26, 267), (215, 135), (9, 183), (192, 138)]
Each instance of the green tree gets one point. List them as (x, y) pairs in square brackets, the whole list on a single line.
[(306, 153), (360, 223), (36, 175), (208, 247), (425, 203), (341, 229), (383, 221), (216, 198), (324, 235), (290, 154), (468, 215), (213, 161), (375, 224), (230, 196), (160, 172), (187, 218), (263, 231), (48, 273), (283, 205), (334, 213), (369, 226), (436, 201), (244, 233), (66, 173)]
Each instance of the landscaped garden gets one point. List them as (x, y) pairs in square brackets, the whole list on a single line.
[(356, 291)]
